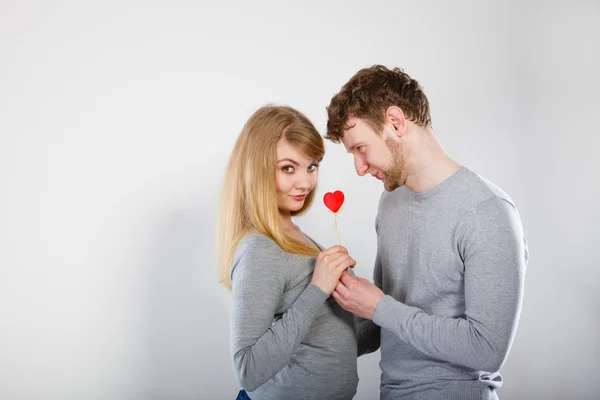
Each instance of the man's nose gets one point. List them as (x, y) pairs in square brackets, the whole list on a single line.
[(361, 166)]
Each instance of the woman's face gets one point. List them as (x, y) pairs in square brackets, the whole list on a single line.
[(296, 176)]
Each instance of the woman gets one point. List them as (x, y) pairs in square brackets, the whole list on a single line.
[(289, 339)]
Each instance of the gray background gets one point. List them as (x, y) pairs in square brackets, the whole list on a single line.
[(116, 121)]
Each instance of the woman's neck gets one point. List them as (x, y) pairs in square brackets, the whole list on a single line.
[(286, 221)]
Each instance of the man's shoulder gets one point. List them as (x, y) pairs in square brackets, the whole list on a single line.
[(486, 205), (480, 190), (466, 191)]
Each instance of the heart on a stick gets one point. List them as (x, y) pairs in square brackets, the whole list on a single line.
[(334, 200)]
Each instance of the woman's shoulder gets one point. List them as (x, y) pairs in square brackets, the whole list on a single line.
[(256, 251), (254, 241), (256, 245)]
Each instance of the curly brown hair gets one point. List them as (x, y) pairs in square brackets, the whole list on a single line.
[(367, 96)]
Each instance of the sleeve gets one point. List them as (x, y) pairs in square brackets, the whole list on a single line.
[(368, 334), (261, 347), (493, 247)]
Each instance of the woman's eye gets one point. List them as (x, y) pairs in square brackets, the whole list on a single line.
[(288, 168), (313, 167), (361, 149)]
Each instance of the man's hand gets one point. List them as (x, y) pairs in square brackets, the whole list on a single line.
[(357, 295)]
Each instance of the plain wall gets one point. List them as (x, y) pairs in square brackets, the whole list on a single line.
[(116, 122)]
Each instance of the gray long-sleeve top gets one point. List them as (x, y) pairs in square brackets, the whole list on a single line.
[(451, 262), (289, 339)]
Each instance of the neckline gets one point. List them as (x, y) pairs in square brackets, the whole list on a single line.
[(421, 196), (312, 240)]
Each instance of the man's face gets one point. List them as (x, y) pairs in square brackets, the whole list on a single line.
[(378, 155)]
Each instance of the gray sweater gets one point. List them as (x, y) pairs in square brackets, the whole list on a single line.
[(451, 262), (289, 339)]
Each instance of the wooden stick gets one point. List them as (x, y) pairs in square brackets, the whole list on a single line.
[(337, 229)]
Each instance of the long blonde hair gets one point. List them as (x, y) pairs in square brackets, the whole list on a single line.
[(249, 195)]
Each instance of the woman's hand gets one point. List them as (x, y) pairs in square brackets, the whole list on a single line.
[(329, 267)]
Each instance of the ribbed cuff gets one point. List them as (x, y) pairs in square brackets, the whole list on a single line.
[(391, 314), (470, 393), (473, 391)]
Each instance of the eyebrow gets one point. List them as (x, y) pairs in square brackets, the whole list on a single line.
[(290, 160), (295, 162)]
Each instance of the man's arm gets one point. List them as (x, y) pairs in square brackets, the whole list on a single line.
[(368, 334), (494, 252)]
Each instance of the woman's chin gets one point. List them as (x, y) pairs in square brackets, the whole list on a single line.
[(295, 207)]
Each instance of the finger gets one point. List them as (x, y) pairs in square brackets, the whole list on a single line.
[(335, 259), (328, 258), (337, 248), (346, 260), (353, 264), (344, 274), (342, 248), (348, 279), (338, 299), (337, 271), (332, 250), (341, 289)]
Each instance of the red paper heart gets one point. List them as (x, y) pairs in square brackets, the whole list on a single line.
[(334, 200)]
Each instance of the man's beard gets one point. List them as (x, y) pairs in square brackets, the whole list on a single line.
[(394, 177)]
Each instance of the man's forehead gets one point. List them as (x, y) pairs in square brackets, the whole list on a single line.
[(351, 130), (349, 140)]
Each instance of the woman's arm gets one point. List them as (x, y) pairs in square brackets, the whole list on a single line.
[(259, 346)]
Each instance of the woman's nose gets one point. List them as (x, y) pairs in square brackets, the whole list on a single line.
[(303, 181)]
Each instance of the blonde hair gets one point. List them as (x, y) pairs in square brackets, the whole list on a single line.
[(249, 194)]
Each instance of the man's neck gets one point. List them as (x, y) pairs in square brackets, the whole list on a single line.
[(429, 166)]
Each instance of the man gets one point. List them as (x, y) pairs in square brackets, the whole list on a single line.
[(451, 252)]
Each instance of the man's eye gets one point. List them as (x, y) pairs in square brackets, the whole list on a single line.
[(361, 149)]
